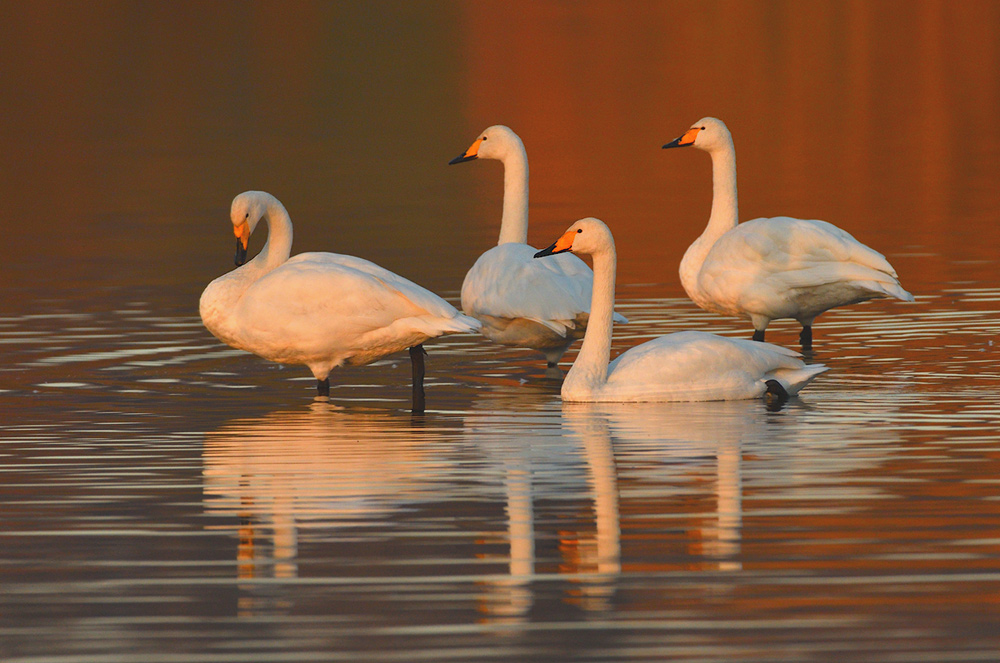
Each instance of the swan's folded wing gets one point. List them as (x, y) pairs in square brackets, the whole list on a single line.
[(782, 240), (509, 282), (698, 366), (415, 294), (794, 254)]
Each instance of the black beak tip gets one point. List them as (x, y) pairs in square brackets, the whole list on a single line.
[(547, 251), (460, 158), (241, 254)]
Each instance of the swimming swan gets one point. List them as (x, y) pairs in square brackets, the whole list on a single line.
[(685, 366), (520, 301), (767, 269), (319, 309)]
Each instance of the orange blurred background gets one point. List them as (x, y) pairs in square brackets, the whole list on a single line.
[(129, 127)]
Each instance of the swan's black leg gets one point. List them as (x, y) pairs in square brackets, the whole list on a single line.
[(323, 387), (758, 335), (806, 337), (417, 353)]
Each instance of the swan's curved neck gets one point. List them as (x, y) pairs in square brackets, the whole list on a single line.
[(590, 370), (514, 223), (724, 217), (279, 240), (725, 212)]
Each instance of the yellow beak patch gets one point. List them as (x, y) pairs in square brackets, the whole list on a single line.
[(688, 136), (473, 149), (565, 243), (242, 233)]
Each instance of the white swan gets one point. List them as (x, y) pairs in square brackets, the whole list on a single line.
[(319, 309), (685, 366), (766, 269), (520, 301)]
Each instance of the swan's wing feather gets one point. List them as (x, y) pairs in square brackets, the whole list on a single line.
[(327, 300), (700, 366), (509, 282), (416, 294), (766, 257)]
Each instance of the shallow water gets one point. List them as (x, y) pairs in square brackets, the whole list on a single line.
[(164, 498), (168, 498)]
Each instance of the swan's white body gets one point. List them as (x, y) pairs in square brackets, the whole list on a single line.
[(772, 268), (322, 310), (522, 302), (685, 366)]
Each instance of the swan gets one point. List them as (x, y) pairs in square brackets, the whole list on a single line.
[(767, 269), (520, 301), (684, 366), (322, 310)]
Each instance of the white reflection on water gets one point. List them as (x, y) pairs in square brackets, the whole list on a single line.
[(319, 468), (365, 475)]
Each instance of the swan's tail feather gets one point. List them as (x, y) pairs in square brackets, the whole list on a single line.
[(435, 326), (794, 380), (464, 324), (888, 289)]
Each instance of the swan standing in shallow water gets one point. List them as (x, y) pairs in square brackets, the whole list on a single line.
[(685, 366), (520, 301), (767, 269), (319, 309)]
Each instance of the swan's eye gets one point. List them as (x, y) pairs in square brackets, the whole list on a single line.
[(703, 128), (484, 137), (247, 215), (579, 230)]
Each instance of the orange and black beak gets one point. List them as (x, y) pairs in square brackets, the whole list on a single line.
[(686, 140), (469, 154), (561, 245), (242, 233)]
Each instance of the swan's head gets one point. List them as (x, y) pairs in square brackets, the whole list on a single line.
[(247, 210), (588, 236), (706, 134), (494, 143)]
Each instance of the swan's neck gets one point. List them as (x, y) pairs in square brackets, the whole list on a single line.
[(219, 300), (590, 370), (725, 212), (514, 223), (724, 216), (279, 240)]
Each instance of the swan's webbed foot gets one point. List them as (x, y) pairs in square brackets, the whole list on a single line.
[(417, 353), (758, 335), (776, 395), (323, 388), (806, 337)]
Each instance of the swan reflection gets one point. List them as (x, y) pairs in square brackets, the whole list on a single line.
[(569, 478), (311, 469), (664, 452)]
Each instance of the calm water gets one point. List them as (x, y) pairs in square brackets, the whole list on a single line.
[(164, 498)]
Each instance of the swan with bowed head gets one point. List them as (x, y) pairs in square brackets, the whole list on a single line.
[(322, 310)]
